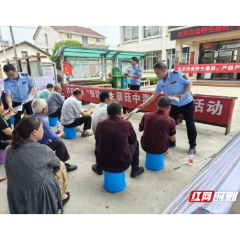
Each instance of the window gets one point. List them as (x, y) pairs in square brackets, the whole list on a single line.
[(97, 39), (152, 59), (24, 53), (152, 31), (130, 33), (185, 56), (69, 35), (84, 39)]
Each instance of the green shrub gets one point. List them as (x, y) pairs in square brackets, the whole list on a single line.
[(153, 80)]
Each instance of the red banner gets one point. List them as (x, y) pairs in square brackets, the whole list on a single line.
[(209, 68), (67, 68), (191, 61), (209, 109)]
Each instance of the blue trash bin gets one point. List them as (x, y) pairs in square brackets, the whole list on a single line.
[(154, 162), (114, 182), (70, 133), (53, 121), (12, 120)]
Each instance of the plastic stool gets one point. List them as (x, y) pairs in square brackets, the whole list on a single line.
[(2, 156), (154, 162), (12, 120), (114, 182), (70, 133), (53, 121)]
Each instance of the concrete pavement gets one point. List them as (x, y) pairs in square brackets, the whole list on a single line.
[(150, 192)]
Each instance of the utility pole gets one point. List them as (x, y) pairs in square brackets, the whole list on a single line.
[(14, 47), (3, 47)]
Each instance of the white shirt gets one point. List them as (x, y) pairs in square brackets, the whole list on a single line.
[(99, 114), (70, 110)]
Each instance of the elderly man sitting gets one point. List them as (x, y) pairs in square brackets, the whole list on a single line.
[(40, 108), (72, 109), (159, 130), (117, 144), (55, 102)]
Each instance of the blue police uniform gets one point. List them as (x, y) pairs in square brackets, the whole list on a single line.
[(175, 83), (19, 89), (135, 82)]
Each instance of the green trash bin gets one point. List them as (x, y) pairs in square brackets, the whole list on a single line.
[(119, 81)]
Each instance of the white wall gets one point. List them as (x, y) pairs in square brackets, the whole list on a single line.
[(20, 48), (53, 36)]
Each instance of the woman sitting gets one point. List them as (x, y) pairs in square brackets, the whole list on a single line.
[(32, 186), (5, 130)]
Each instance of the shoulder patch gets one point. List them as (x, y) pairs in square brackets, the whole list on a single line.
[(185, 77), (175, 71), (5, 79)]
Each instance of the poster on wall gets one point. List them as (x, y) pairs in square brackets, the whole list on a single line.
[(41, 83), (191, 61), (125, 65), (84, 68), (109, 66)]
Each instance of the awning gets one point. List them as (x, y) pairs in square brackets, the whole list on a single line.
[(83, 52)]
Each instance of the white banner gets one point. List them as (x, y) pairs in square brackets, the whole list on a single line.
[(41, 83)]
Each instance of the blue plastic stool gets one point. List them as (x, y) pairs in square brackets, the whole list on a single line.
[(154, 162), (114, 182), (53, 121), (12, 120), (70, 133)]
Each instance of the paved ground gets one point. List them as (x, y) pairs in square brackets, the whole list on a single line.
[(152, 191)]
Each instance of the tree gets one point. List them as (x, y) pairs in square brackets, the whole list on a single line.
[(57, 45)]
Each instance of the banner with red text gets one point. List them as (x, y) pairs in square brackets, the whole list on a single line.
[(209, 109), (209, 68)]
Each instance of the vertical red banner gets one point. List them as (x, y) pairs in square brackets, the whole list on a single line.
[(67, 68), (191, 61)]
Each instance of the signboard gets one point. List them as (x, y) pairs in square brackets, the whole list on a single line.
[(48, 71), (84, 68), (201, 31), (196, 56), (41, 83), (210, 68), (211, 109)]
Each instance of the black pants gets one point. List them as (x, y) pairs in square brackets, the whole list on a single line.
[(57, 113), (87, 121), (134, 87), (187, 112), (27, 106), (134, 152), (60, 150)]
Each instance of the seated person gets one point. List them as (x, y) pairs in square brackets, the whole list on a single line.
[(71, 110), (40, 108), (158, 128), (55, 102), (117, 145), (100, 111), (45, 92), (33, 188), (5, 127)]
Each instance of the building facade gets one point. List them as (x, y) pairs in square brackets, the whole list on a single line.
[(45, 37), (177, 44)]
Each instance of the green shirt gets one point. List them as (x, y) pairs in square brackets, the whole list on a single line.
[(44, 94)]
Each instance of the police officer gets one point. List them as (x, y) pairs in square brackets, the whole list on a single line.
[(135, 75), (177, 84), (18, 87)]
